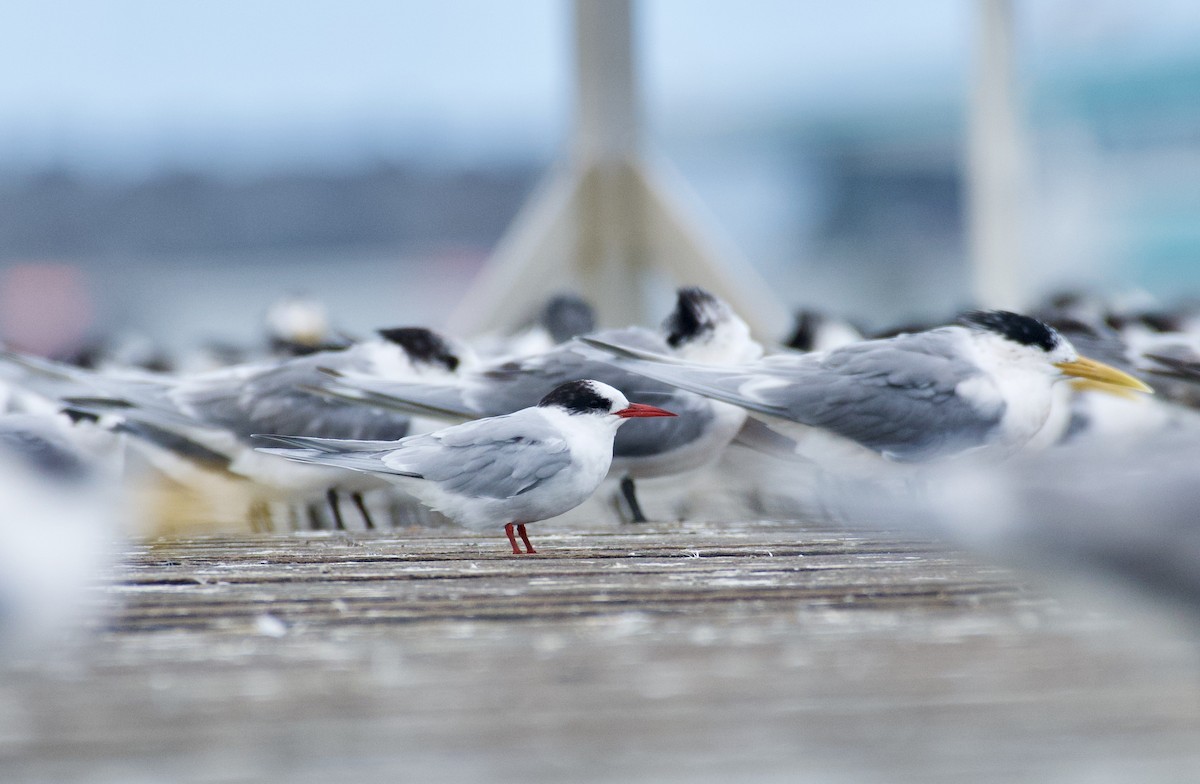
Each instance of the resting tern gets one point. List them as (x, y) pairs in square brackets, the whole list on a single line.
[(220, 410), (984, 383), (512, 469), (701, 328)]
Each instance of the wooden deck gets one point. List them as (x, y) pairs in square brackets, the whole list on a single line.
[(748, 652)]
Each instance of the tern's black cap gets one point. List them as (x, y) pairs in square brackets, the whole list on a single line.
[(1025, 330), (804, 335), (578, 397), (422, 345), (696, 313)]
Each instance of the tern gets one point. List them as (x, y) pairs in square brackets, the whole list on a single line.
[(983, 383), (220, 410), (515, 469), (700, 328)]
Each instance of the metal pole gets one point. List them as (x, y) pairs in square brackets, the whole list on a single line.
[(607, 115), (995, 163), (611, 250)]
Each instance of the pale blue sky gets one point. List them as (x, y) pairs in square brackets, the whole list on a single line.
[(117, 82)]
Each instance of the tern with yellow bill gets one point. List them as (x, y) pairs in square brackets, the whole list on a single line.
[(982, 384)]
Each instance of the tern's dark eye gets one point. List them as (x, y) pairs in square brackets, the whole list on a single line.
[(1025, 330)]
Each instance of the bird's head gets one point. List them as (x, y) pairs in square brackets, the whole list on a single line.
[(424, 347), (566, 316), (703, 328), (298, 320), (1023, 340), (595, 397)]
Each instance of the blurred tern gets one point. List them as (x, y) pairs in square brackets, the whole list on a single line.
[(701, 328), (984, 383), (298, 325), (62, 512), (512, 469), (220, 410)]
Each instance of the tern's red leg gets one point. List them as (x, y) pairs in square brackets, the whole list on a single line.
[(508, 529), (525, 538)]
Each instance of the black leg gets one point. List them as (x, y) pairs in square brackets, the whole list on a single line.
[(314, 517), (629, 492), (332, 498), (362, 509)]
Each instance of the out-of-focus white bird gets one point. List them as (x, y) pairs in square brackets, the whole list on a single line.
[(512, 469), (701, 328), (60, 514), (298, 325), (983, 384), (1097, 518)]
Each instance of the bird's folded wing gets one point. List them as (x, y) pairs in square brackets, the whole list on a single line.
[(441, 401), (899, 398), (500, 457)]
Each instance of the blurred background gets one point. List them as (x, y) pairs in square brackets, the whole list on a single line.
[(172, 168)]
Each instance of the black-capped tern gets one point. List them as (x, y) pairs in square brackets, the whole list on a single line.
[(513, 469), (983, 383), (701, 328)]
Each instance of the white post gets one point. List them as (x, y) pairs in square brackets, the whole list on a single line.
[(607, 116), (995, 163), (611, 250)]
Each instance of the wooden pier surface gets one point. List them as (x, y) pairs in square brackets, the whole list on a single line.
[(747, 652)]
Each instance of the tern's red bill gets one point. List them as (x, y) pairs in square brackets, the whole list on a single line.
[(643, 410)]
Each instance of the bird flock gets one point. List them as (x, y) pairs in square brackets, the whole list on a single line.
[(696, 415)]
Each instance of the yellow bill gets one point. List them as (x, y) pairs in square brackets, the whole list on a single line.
[(1102, 375), (1087, 385)]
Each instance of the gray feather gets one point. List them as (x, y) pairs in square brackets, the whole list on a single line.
[(497, 458), (896, 396), (274, 400)]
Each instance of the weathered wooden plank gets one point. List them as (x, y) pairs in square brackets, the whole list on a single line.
[(664, 653)]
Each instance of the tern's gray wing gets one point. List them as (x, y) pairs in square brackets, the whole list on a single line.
[(438, 400), (500, 457), (897, 396), (275, 399)]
